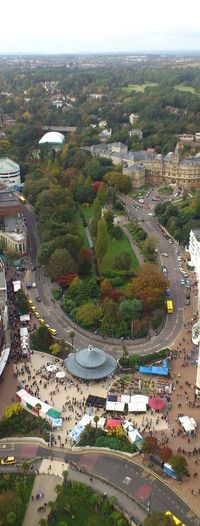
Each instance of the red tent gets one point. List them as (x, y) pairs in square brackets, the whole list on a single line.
[(113, 422), (157, 403)]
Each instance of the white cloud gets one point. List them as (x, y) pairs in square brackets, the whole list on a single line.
[(88, 25)]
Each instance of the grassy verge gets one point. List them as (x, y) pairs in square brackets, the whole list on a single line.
[(81, 230), (139, 87), (87, 211), (166, 190), (114, 249), (188, 89)]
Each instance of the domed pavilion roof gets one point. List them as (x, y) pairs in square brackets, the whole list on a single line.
[(90, 364), (52, 137)]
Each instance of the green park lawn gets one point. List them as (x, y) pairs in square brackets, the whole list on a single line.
[(87, 211), (189, 89), (140, 88), (81, 230), (114, 249), (166, 190)]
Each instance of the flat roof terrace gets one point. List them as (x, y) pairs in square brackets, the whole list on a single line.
[(9, 204)]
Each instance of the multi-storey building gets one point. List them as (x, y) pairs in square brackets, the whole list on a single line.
[(9, 171), (194, 249), (154, 168), (13, 232)]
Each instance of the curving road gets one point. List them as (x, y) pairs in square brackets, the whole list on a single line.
[(125, 474), (60, 321)]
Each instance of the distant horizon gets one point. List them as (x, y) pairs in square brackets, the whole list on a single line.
[(102, 53)]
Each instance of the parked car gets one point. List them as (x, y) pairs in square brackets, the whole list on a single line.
[(7, 461)]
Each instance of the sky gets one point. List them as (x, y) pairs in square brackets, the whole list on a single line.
[(80, 26)]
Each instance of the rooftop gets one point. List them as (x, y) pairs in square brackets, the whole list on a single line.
[(8, 166), (90, 364), (52, 137), (196, 232)]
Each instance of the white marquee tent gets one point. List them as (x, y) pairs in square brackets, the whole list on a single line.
[(189, 424), (138, 404)]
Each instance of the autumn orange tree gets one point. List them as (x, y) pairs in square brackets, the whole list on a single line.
[(165, 453), (106, 289), (149, 286)]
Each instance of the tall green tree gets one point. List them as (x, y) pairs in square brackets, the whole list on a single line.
[(109, 217), (102, 240), (96, 216), (61, 262), (179, 465), (130, 309), (123, 261)]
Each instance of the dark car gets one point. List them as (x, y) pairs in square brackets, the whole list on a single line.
[(38, 298), (33, 267), (135, 521)]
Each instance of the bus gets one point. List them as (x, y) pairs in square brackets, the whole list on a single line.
[(176, 520), (169, 305), (21, 198)]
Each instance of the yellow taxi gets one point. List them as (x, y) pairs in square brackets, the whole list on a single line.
[(41, 320), (47, 326), (53, 331), (30, 302), (7, 461), (33, 308), (37, 315)]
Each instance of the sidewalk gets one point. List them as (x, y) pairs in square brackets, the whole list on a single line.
[(50, 475), (127, 504), (43, 485)]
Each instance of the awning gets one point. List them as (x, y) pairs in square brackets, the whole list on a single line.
[(189, 424), (16, 285), (25, 317), (114, 406)]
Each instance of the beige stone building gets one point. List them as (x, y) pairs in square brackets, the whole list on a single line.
[(146, 166)]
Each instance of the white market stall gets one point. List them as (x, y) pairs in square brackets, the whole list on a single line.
[(16, 285), (38, 407), (3, 359), (189, 424), (100, 424), (24, 318), (60, 374), (51, 368), (138, 404), (115, 406), (133, 434)]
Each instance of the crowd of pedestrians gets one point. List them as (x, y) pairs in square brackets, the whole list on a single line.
[(16, 353)]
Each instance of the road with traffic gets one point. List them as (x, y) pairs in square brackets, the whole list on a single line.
[(55, 317), (137, 481)]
